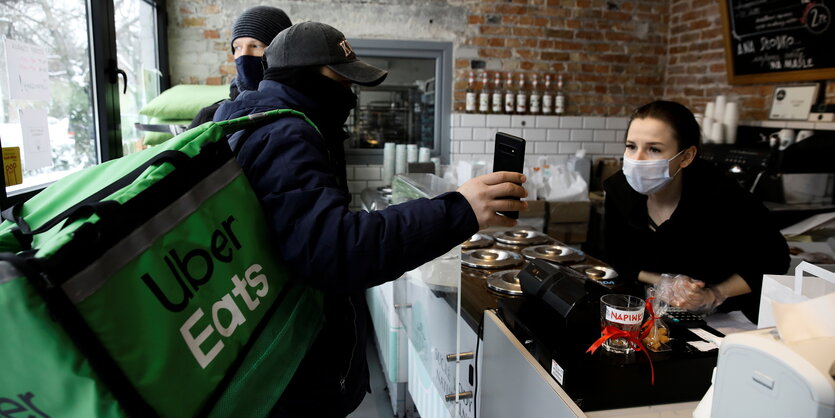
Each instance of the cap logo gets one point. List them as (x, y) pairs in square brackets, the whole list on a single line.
[(346, 48)]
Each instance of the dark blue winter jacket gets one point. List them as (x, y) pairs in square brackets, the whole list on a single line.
[(299, 176)]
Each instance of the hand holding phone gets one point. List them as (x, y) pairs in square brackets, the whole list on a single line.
[(509, 155)]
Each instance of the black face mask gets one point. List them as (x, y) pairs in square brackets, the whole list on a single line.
[(339, 99), (250, 72)]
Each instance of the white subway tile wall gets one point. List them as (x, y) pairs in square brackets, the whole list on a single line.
[(596, 122), (522, 121), (534, 134), (473, 120), (547, 122), (571, 122), (498, 121), (555, 137), (582, 135), (548, 136)]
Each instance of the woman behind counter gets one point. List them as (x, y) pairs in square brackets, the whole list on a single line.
[(674, 221)]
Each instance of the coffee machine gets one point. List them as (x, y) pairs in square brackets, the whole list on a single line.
[(790, 170)]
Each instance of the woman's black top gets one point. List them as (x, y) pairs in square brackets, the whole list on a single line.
[(718, 229)]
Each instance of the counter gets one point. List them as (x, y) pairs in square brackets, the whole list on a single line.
[(513, 383), (427, 324)]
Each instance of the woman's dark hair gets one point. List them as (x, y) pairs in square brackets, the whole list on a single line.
[(680, 119)]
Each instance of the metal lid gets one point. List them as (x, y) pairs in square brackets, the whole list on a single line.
[(490, 258), (521, 237), (477, 241), (505, 282), (603, 274), (556, 253)]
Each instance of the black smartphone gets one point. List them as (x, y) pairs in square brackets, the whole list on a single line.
[(509, 155)]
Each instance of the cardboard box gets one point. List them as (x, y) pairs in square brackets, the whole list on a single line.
[(569, 233), (568, 212), (568, 222), (535, 216)]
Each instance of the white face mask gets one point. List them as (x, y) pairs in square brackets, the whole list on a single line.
[(648, 176)]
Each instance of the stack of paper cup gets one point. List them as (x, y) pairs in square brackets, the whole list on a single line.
[(424, 154), (717, 132), (411, 153), (719, 110), (400, 159), (699, 118), (707, 122), (710, 110), (388, 161), (707, 129), (731, 122)]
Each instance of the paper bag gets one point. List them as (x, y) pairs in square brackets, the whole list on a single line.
[(792, 289)]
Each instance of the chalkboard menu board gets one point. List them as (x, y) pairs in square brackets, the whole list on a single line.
[(778, 40)]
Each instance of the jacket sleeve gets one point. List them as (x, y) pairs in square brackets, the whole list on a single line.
[(333, 248), (205, 114)]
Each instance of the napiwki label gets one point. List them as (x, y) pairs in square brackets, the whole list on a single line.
[(624, 317)]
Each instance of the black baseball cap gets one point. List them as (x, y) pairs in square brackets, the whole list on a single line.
[(310, 44)]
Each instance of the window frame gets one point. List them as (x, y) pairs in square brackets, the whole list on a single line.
[(106, 83), (441, 52)]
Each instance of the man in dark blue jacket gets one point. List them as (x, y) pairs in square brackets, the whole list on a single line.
[(300, 177)]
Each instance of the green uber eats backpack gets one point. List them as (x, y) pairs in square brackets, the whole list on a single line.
[(157, 294)]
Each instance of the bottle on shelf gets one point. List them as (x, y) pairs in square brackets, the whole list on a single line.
[(497, 102), (509, 95), (559, 100), (535, 106), (470, 98), (521, 97), (547, 97), (484, 94)]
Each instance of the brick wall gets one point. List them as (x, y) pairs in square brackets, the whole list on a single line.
[(614, 54), (610, 53), (199, 30), (695, 61)]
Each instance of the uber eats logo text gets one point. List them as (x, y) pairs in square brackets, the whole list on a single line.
[(192, 268)]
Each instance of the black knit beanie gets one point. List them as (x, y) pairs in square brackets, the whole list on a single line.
[(260, 22)]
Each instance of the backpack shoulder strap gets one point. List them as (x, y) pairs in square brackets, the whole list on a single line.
[(238, 130)]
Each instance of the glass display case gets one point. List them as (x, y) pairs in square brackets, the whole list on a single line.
[(386, 114), (409, 106), (428, 302)]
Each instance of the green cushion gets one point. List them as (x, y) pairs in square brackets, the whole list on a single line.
[(156, 138), (183, 101)]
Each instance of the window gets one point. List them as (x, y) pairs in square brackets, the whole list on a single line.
[(62, 99), (136, 52), (412, 106)]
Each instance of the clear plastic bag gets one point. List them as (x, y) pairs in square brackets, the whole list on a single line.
[(656, 336)]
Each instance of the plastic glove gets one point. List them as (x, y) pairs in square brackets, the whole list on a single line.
[(706, 301), (678, 289), (688, 293)]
